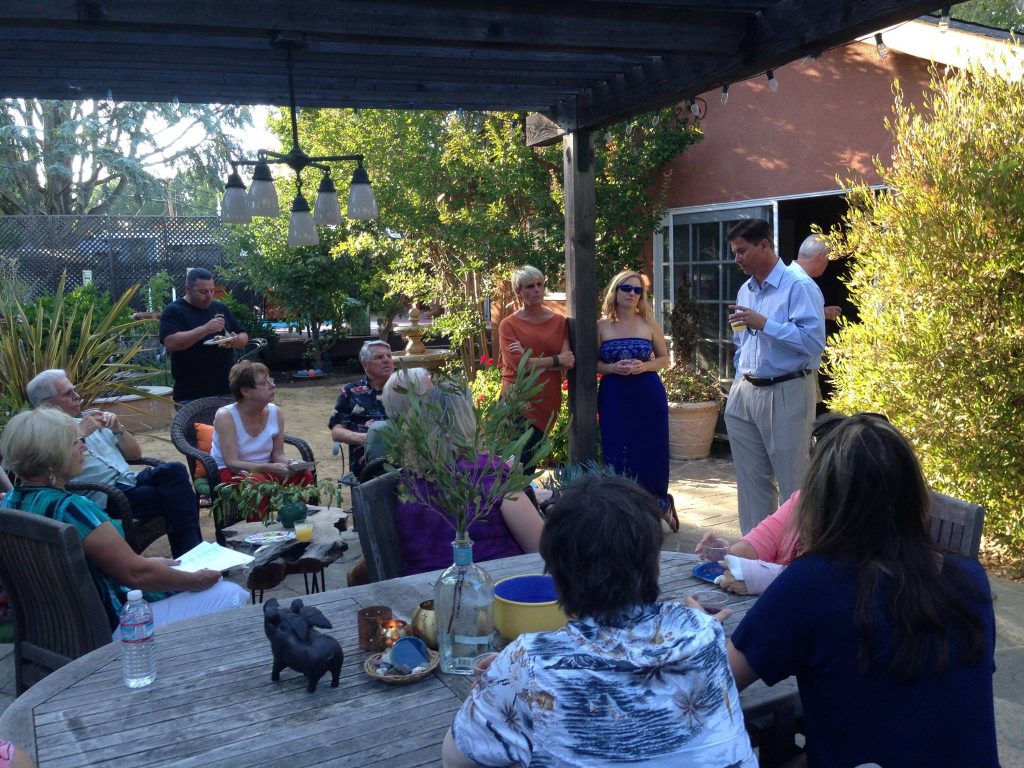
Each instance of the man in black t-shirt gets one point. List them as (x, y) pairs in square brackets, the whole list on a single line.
[(200, 368)]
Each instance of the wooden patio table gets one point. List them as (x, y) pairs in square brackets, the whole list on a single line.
[(213, 703)]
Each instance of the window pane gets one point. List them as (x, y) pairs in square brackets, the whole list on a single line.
[(705, 282), (708, 241)]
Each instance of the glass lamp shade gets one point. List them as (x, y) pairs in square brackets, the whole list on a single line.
[(301, 229), (263, 198), (326, 210), (234, 208), (362, 203), (262, 195)]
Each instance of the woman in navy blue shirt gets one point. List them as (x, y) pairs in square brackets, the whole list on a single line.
[(891, 640)]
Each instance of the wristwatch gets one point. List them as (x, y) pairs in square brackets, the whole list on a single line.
[(554, 359)]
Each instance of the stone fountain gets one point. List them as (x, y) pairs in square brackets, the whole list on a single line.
[(416, 354)]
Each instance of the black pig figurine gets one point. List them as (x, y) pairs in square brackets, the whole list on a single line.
[(296, 644)]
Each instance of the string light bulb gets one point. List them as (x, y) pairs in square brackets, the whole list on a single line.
[(881, 47), (773, 84), (725, 94), (944, 19)]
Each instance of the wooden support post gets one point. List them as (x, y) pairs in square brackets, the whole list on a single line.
[(581, 292)]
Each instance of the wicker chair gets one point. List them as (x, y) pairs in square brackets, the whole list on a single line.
[(139, 533), (183, 435), (58, 615)]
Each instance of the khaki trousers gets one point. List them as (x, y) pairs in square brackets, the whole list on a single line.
[(769, 429)]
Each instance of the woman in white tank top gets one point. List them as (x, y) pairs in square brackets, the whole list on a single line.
[(248, 437)]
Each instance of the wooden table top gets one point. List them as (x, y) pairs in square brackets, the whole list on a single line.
[(213, 702)]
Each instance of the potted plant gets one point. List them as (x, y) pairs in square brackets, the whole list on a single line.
[(694, 394), (274, 500)]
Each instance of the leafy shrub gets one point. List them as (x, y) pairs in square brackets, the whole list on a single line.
[(253, 326), (938, 279), (89, 338), (456, 490), (78, 301), (486, 388), (686, 383)]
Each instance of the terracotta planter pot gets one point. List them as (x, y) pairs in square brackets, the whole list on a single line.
[(691, 428)]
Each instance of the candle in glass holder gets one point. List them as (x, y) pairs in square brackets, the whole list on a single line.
[(392, 630), (370, 619)]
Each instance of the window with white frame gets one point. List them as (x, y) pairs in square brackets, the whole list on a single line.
[(691, 250)]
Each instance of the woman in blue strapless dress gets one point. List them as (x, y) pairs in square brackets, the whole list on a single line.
[(631, 402)]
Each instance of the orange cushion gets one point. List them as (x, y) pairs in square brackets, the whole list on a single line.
[(204, 442)]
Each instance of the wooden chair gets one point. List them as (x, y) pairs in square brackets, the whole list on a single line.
[(957, 524), (183, 436), (373, 504), (58, 614)]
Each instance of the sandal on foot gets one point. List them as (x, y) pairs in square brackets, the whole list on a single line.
[(669, 514)]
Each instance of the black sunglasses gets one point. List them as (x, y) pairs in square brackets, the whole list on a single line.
[(637, 289)]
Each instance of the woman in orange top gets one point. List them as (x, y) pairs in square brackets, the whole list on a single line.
[(543, 335)]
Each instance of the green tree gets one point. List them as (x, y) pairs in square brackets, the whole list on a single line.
[(1001, 14), (463, 200), (312, 281), (939, 283), (89, 157)]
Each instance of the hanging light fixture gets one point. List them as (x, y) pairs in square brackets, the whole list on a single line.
[(725, 94), (238, 207), (773, 84), (944, 19), (880, 47)]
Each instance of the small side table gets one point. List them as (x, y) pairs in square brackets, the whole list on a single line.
[(273, 562)]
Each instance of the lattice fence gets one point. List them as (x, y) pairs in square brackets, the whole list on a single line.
[(115, 251)]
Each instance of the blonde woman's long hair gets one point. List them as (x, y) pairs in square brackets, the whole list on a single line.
[(609, 309)]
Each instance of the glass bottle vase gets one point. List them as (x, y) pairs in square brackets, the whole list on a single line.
[(464, 606)]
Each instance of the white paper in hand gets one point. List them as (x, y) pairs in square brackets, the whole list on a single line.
[(212, 556)]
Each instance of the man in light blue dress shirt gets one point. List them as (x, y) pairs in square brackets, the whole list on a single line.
[(779, 332)]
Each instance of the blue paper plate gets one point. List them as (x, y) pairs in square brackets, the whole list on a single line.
[(708, 572)]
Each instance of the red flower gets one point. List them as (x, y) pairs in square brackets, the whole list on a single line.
[(490, 361), (565, 385), (599, 376), (483, 359), (479, 399)]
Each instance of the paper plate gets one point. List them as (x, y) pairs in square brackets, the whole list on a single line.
[(269, 537), (708, 572)]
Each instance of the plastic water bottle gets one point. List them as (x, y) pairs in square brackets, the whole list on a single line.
[(137, 641)]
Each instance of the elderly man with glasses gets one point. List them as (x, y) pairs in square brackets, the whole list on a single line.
[(359, 403), (161, 491)]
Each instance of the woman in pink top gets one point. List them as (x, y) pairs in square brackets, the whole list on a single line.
[(774, 543)]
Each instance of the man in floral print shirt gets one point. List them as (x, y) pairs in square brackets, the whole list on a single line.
[(359, 402)]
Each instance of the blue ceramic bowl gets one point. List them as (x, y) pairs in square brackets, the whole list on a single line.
[(526, 604)]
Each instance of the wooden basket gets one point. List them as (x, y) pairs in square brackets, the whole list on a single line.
[(435, 659)]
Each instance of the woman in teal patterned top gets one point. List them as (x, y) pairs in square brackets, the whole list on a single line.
[(44, 450)]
